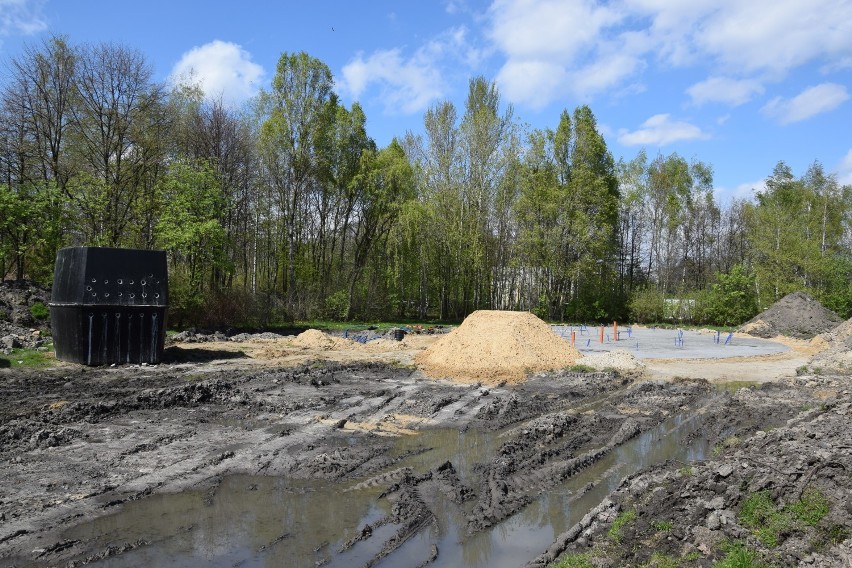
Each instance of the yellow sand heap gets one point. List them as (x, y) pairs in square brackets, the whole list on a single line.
[(494, 346)]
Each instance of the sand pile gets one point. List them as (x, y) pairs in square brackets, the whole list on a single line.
[(795, 315), (315, 339), (495, 346)]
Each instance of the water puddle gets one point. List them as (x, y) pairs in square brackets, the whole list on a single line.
[(264, 521)]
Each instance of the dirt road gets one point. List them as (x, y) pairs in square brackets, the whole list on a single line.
[(79, 444)]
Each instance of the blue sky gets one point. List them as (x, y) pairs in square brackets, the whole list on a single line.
[(737, 84)]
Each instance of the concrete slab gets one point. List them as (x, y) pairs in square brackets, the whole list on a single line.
[(656, 343)]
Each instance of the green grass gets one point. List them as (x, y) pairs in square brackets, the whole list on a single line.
[(740, 556), (620, 521), (660, 560), (811, 508), (31, 357), (760, 514), (769, 523), (663, 526), (579, 368), (574, 561)]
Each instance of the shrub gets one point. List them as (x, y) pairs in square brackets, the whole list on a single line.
[(39, 311), (647, 306)]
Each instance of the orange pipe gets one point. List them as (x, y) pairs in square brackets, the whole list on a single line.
[(615, 330), (602, 330), (573, 337)]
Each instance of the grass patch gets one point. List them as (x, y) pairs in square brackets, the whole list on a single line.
[(811, 508), (579, 368), (769, 523), (663, 526), (574, 561), (729, 442), (738, 555), (760, 514), (660, 560), (620, 521), (31, 357), (685, 471)]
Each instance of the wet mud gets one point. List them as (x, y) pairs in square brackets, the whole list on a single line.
[(370, 464)]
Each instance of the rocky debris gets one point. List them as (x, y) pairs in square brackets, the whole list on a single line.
[(198, 336), (796, 315), (618, 359), (779, 497), (16, 301), (493, 346), (19, 327)]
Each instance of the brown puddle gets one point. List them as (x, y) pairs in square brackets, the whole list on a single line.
[(276, 521)]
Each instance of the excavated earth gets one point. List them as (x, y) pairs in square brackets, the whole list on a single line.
[(78, 444)]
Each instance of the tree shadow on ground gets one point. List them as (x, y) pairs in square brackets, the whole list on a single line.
[(195, 355)]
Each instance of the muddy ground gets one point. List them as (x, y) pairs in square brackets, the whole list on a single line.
[(77, 444)]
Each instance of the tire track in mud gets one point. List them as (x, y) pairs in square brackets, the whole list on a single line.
[(536, 455)]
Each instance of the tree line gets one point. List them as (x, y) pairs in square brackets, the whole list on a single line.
[(287, 209)]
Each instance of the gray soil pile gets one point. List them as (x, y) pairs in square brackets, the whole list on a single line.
[(796, 315), (494, 346)]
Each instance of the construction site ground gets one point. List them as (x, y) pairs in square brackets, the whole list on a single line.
[(266, 452)]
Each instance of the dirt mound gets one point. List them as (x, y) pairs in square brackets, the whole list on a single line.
[(796, 315), (315, 339), (837, 352), (494, 346)]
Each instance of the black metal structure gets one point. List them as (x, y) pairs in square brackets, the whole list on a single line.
[(109, 305)]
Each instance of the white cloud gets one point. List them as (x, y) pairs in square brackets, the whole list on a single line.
[(660, 130), (810, 102), (844, 171), (22, 17), (745, 44), (222, 69), (408, 85), (557, 47), (724, 90), (742, 191)]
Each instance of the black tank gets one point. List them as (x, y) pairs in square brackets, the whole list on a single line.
[(109, 305)]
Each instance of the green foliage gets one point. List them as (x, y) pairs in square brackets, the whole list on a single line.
[(663, 526), (647, 305), (732, 299), (29, 226), (39, 310), (620, 521)]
